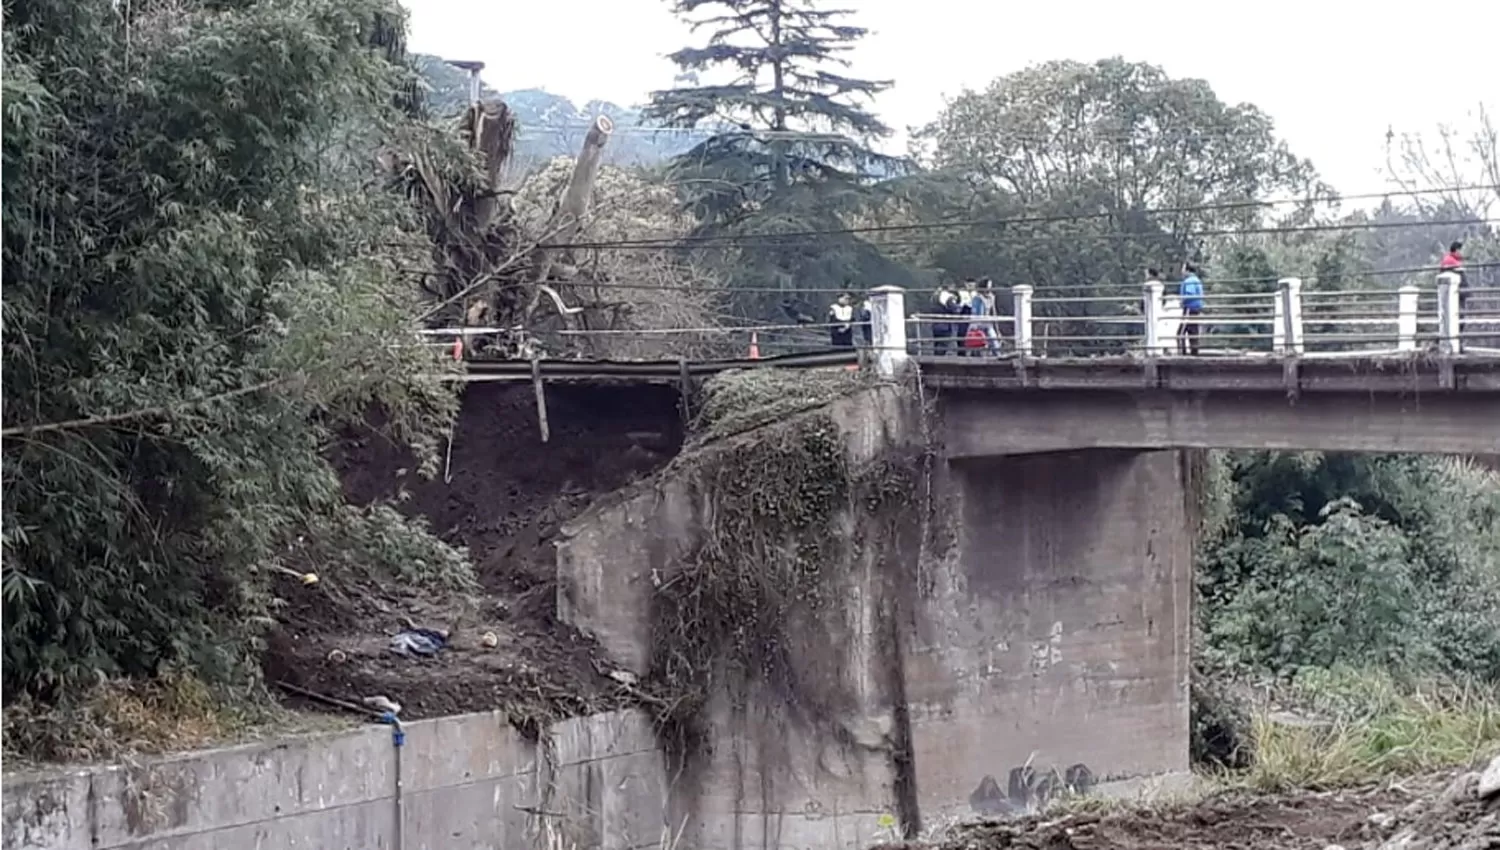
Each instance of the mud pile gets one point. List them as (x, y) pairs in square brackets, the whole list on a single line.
[(504, 496), (1440, 812)]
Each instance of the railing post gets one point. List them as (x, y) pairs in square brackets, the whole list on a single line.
[(888, 329), (1021, 300), (1406, 317), (1278, 324), (1151, 310), (1291, 314), (1449, 320)]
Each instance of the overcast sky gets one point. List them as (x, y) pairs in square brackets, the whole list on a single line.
[(1334, 74)]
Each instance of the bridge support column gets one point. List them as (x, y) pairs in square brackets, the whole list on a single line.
[(888, 329), (1051, 642)]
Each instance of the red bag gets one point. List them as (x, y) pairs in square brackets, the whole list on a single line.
[(974, 338)]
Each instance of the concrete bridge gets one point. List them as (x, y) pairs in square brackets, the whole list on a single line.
[(1354, 373), (1022, 626), (1355, 404), (1029, 627)]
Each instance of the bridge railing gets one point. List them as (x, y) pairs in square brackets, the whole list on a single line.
[(1287, 321)]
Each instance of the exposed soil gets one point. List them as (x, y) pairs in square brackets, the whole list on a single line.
[(1439, 812), (507, 495)]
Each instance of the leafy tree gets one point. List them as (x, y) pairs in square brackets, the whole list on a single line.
[(1117, 166), (1385, 561), (791, 144), (199, 288)]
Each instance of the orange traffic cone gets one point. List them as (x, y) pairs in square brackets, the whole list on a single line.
[(754, 345)]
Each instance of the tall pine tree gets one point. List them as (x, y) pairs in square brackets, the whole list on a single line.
[(792, 142)]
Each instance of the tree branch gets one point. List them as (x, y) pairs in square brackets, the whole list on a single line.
[(143, 413)]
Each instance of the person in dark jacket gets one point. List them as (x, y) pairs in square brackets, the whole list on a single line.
[(866, 326)]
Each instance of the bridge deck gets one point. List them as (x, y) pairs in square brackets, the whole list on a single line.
[(1415, 373)]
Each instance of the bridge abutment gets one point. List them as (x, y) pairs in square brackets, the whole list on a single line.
[(1023, 628)]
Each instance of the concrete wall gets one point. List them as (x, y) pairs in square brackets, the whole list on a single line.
[(466, 782), (1037, 616), (1053, 632), (778, 772)]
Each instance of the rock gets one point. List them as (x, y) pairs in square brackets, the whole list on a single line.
[(383, 703), (1382, 820), (1460, 789), (1334, 847), (1406, 839), (1489, 781)]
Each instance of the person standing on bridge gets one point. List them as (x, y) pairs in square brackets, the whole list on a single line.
[(866, 322), (841, 321), (944, 303), (1190, 293), (1453, 262), (984, 305)]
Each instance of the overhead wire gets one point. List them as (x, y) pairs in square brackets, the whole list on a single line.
[(1061, 218), (1038, 288)]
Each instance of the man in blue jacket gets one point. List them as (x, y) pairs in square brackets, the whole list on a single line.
[(1190, 293)]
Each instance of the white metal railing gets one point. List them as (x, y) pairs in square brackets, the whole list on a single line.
[(1288, 321)]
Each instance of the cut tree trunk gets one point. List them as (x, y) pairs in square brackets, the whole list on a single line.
[(567, 219)]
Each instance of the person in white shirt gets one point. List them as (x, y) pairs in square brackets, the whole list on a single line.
[(841, 322), (945, 303)]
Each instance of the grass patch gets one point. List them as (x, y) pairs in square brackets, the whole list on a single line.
[(120, 719), (735, 402), (1352, 728)]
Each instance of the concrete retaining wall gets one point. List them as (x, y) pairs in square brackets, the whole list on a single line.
[(466, 782)]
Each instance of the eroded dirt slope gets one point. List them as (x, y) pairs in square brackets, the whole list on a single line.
[(507, 495)]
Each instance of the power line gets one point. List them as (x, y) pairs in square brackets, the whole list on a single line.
[(1058, 217), (790, 237), (1040, 289)]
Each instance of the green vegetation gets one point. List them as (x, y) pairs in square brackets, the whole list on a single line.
[(1368, 727), (784, 514), (792, 144), (1360, 592), (199, 290), (210, 247)]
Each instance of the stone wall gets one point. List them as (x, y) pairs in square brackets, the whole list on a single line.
[(470, 781)]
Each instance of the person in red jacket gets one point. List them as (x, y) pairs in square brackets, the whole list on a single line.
[(1453, 261)]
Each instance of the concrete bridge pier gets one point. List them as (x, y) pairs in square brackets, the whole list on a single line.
[(1050, 643)]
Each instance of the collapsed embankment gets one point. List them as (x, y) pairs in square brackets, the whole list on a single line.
[(755, 586), (502, 495)]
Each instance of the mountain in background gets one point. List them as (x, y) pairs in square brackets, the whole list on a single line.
[(550, 125)]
